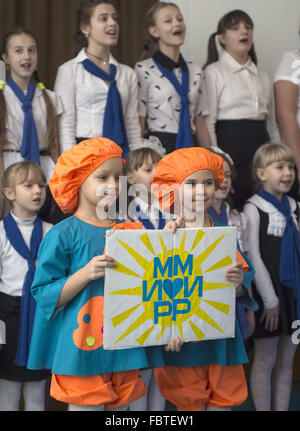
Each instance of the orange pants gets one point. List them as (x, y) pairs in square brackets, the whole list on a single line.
[(113, 389), (192, 388)]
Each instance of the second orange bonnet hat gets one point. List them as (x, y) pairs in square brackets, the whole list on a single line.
[(75, 165)]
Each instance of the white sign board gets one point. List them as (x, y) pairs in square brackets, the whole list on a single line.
[(168, 285)]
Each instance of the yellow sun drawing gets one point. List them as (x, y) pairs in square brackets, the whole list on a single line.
[(173, 289)]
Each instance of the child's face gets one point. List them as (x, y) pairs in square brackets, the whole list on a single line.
[(103, 28), (102, 186), (144, 174), (198, 191), (225, 188), (28, 197), (21, 56), (277, 178), (169, 27), (238, 40)]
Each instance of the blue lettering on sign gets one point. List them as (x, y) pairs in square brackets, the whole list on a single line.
[(172, 288), (173, 262)]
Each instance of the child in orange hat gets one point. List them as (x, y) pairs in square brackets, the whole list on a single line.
[(69, 287), (207, 375)]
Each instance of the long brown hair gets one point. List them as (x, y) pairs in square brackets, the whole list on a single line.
[(84, 14), (228, 21), (150, 42), (52, 122)]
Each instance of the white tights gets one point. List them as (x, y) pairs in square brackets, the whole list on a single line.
[(152, 400), (33, 393), (96, 408), (272, 372)]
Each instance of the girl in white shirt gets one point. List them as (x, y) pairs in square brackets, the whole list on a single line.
[(241, 109), (19, 51), (287, 97), (21, 232), (173, 112), (84, 87)]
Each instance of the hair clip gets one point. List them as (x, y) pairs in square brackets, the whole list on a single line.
[(152, 142), (41, 86)]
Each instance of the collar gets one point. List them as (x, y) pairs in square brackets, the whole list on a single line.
[(168, 63), (23, 221), (37, 93), (267, 206), (82, 56), (235, 66)]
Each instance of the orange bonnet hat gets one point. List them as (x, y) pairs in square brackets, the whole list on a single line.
[(75, 165), (172, 170)]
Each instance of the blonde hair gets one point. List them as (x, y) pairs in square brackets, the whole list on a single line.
[(18, 173), (150, 42), (268, 154)]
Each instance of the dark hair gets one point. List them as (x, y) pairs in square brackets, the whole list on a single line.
[(52, 122), (150, 42), (226, 23), (84, 14), (136, 158)]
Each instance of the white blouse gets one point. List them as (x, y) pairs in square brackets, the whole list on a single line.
[(276, 227), (13, 267), (236, 92), (84, 100), (289, 70), (159, 101), (14, 126)]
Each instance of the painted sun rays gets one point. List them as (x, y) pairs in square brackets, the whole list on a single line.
[(145, 272)]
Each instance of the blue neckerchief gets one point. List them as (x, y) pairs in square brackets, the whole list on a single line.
[(142, 217), (218, 217), (113, 122), (30, 143), (289, 269), (28, 304), (185, 136)]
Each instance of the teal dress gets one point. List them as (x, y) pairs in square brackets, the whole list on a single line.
[(227, 351), (60, 340)]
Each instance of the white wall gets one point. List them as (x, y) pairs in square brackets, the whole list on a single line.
[(276, 27)]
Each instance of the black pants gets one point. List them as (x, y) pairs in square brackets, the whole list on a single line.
[(241, 139)]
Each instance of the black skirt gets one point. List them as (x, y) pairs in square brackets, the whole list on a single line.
[(241, 139), (270, 250), (10, 314)]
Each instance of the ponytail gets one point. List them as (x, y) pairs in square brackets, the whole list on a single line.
[(212, 50), (52, 121), (3, 117)]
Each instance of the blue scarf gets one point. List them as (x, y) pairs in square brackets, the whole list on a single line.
[(113, 122), (289, 269), (28, 304), (240, 310), (30, 143), (218, 217), (147, 223), (185, 136)]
